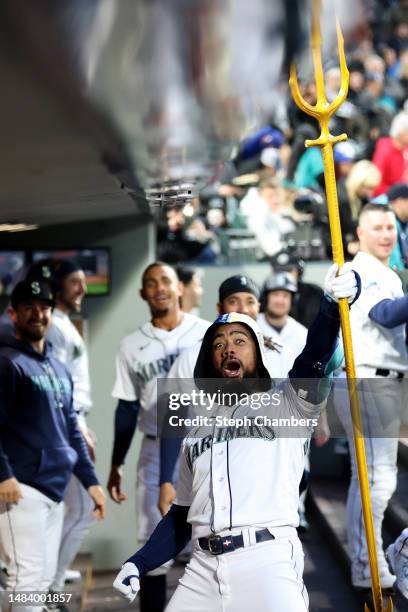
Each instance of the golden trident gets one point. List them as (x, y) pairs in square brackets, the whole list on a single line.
[(322, 111)]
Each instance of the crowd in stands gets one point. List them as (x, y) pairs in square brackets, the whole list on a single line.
[(271, 194)]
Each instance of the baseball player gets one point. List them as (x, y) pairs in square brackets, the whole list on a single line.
[(306, 302), (40, 447), (192, 289), (143, 357), (397, 555), (378, 323), (274, 320), (240, 294), (68, 281), (237, 493), (278, 296)]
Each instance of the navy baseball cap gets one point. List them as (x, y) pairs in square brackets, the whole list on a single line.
[(237, 284), (64, 267), (31, 290)]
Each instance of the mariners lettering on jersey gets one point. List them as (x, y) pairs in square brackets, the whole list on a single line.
[(146, 372), (226, 434), (48, 383)]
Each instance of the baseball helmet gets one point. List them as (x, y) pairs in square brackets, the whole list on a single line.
[(283, 281)]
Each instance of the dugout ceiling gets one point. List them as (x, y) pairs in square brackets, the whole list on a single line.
[(105, 102)]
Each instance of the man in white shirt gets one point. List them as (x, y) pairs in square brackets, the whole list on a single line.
[(237, 495), (238, 293), (268, 216), (145, 356), (378, 332), (274, 320), (68, 281)]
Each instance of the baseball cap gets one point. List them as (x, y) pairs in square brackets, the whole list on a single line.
[(63, 268), (280, 282), (344, 152), (236, 284), (399, 190), (40, 271), (31, 290)]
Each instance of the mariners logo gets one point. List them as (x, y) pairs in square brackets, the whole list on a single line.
[(226, 434), (35, 288)]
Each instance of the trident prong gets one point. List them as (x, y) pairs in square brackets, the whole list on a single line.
[(322, 111)]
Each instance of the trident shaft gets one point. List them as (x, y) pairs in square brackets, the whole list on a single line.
[(322, 111)]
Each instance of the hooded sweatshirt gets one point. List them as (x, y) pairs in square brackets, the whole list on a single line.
[(40, 443)]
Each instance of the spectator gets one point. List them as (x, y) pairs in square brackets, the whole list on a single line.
[(391, 154), (344, 158), (268, 215), (310, 170), (184, 237), (398, 200), (354, 191), (357, 81)]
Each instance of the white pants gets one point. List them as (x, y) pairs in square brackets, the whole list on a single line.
[(30, 533), (147, 495), (265, 577), (77, 520), (381, 403)]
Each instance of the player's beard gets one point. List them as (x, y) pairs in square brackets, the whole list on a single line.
[(160, 313), (32, 335), (70, 305), (241, 386), (273, 314)]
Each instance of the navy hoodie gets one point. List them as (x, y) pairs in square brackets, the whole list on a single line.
[(40, 443)]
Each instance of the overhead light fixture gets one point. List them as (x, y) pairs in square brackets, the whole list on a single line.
[(17, 227)]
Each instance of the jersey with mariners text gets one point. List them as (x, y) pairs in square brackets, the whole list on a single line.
[(147, 355), (247, 473)]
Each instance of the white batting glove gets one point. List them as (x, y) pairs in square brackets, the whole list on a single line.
[(345, 285), (127, 581)]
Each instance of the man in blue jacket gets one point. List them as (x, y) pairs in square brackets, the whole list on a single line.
[(40, 447)]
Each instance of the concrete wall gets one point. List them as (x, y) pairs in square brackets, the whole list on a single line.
[(108, 322)]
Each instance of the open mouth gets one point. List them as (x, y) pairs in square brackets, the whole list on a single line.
[(161, 299), (231, 368)]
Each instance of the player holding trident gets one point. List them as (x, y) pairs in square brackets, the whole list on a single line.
[(322, 111)]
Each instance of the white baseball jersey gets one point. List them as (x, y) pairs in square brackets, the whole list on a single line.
[(147, 355), (233, 477), (373, 344), (69, 347), (292, 336)]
